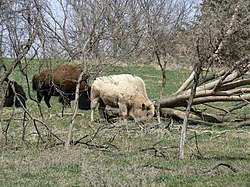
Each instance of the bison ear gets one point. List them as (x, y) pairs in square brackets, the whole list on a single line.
[(143, 106)]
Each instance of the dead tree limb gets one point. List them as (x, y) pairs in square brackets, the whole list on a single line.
[(243, 124), (230, 86)]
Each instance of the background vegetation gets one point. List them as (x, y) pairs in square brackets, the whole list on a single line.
[(121, 154)]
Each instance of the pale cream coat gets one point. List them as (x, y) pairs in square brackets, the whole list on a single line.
[(124, 91)]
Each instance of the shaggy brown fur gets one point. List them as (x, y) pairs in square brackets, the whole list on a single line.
[(60, 81), (10, 94)]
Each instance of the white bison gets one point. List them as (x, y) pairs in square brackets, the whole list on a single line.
[(126, 92)]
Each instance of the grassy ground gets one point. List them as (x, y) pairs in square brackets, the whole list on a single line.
[(120, 154)]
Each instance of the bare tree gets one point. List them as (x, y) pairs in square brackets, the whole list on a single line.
[(20, 22), (221, 39)]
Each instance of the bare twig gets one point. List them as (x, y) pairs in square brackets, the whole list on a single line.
[(232, 168), (237, 106), (103, 147), (156, 167), (197, 147), (217, 108)]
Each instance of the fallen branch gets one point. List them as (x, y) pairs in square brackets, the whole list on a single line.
[(193, 118), (156, 167), (221, 99), (235, 84), (243, 124), (232, 168), (237, 106), (101, 147)]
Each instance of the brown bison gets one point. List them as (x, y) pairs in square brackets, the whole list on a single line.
[(126, 92), (61, 81), (14, 94)]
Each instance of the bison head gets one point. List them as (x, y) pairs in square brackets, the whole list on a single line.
[(142, 111)]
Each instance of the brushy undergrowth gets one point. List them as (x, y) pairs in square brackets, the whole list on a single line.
[(120, 154)]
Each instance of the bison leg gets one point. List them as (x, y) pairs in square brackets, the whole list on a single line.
[(47, 99), (8, 101), (123, 110), (101, 109), (39, 97), (65, 100), (94, 104), (20, 101), (84, 102)]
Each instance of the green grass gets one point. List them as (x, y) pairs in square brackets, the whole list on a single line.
[(119, 154)]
